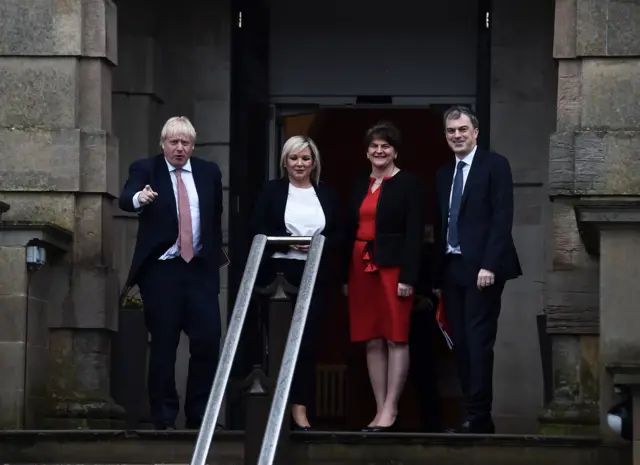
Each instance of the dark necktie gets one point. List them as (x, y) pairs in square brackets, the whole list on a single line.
[(454, 209)]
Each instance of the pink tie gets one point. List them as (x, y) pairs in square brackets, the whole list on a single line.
[(185, 234)]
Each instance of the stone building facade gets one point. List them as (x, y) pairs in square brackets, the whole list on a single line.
[(85, 86)]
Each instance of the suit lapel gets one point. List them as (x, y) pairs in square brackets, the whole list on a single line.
[(164, 188), (474, 174)]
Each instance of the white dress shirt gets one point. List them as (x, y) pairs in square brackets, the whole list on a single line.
[(303, 216), (194, 207), (468, 160)]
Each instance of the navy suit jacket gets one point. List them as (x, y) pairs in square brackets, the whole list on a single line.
[(485, 219), (158, 221)]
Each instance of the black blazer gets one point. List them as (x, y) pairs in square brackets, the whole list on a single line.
[(485, 219), (268, 216), (399, 225), (158, 221)]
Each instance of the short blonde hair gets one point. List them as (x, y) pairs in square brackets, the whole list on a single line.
[(178, 125), (294, 145)]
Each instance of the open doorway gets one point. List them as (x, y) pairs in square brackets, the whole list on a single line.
[(343, 394)]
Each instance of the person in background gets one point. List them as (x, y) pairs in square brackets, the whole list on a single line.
[(382, 261), (299, 204), (475, 257), (178, 199)]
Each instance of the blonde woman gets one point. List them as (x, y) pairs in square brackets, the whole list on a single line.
[(298, 204)]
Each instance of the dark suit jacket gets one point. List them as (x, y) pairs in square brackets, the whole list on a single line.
[(399, 225), (485, 219), (158, 221), (268, 217)]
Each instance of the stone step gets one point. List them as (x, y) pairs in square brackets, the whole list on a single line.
[(317, 448)]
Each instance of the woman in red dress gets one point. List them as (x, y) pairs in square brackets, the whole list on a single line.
[(384, 236)]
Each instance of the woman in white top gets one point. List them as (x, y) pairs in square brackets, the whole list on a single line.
[(297, 204)]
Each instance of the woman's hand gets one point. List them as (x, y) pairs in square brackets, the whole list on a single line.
[(404, 290)]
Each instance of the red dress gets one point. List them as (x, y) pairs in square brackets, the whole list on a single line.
[(375, 310)]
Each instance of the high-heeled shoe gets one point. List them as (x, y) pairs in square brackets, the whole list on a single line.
[(379, 429), (296, 427)]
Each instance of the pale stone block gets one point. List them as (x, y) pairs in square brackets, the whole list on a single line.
[(100, 29), (41, 28), (218, 154), (40, 160), (69, 27), (94, 220), (94, 103), (13, 265), (622, 28), (608, 163), (591, 24), (40, 92), (99, 163), (12, 392), (608, 87), (12, 317), (620, 268), (562, 163), (569, 252), (565, 33), (569, 104), (46, 207)]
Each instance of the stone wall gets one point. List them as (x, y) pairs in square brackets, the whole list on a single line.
[(594, 156), (59, 161)]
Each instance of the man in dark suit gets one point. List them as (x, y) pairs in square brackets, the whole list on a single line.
[(476, 256), (176, 261)]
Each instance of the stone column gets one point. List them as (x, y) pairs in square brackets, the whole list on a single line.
[(24, 332), (59, 165), (594, 155)]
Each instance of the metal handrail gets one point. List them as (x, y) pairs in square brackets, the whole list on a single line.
[(234, 331), (290, 357)]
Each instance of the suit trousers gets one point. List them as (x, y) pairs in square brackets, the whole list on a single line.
[(180, 296), (473, 317), (304, 379)]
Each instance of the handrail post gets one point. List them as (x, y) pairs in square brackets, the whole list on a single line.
[(205, 434), (288, 362), (276, 306)]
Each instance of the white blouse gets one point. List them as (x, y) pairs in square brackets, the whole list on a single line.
[(303, 216)]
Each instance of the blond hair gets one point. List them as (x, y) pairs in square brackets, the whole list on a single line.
[(294, 145), (177, 126)]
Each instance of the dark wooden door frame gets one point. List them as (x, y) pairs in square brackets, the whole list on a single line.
[(248, 164), (483, 73)]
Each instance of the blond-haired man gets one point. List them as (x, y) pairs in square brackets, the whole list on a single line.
[(176, 260)]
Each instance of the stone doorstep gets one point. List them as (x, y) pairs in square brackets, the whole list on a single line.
[(317, 448)]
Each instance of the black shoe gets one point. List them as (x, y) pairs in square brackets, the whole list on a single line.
[(379, 429), (475, 427), (297, 427)]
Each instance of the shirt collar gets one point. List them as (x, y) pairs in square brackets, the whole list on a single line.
[(469, 158), (186, 167)]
